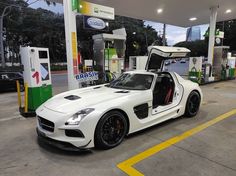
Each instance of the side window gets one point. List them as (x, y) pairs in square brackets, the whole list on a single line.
[(155, 62), (178, 65), (11, 75), (18, 75)]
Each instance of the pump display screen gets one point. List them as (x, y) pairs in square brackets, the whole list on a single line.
[(44, 71), (43, 54)]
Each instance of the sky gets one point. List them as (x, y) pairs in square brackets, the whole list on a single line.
[(174, 34), (42, 4)]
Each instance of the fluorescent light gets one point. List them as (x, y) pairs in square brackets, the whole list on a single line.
[(159, 11), (193, 19), (228, 11)]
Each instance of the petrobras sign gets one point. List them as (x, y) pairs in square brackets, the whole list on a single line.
[(95, 23), (87, 76)]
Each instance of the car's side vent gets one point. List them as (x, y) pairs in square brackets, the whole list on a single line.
[(122, 91), (72, 97), (141, 111)]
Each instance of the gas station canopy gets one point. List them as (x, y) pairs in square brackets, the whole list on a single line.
[(184, 13), (174, 12)]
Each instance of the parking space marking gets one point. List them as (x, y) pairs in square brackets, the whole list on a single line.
[(126, 166)]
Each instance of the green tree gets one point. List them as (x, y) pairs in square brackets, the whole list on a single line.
[(42, 28), (198, 48), (229, 27), (34, 27)]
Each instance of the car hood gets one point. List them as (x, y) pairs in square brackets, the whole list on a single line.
[(75, 100)]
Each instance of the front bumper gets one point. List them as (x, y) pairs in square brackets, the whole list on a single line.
[(54, 130), (59, 144)]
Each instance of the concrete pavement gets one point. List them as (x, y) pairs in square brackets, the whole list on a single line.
[(210, 152)]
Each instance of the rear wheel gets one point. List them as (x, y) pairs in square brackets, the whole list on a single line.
[(110, 130), (192, 105)]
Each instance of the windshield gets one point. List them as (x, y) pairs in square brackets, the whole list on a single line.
[(132, 82)]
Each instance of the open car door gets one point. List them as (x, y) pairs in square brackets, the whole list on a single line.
[(167, 91), (158, 55)]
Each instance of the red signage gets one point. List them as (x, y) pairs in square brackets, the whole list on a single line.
[(36, 76)]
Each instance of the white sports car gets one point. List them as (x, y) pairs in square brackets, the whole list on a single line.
[(103, 115)]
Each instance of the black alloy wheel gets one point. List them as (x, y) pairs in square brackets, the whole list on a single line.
[(193, 104), (111, 130)]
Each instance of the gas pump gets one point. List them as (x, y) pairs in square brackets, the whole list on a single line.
[(37, 75), (109, 52), (206, 73), (137, 62), (195, 69), (231, 64), (219, 67)]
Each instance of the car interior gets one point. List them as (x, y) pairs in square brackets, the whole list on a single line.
[(164, 90)]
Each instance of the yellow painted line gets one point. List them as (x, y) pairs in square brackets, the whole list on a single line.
[(126, 166)]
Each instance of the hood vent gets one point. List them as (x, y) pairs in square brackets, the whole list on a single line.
[(72, 97), (122, 91)]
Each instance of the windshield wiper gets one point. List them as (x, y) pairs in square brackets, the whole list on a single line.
[(110, 86), (107, 85)]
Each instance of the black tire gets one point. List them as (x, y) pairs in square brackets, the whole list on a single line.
[(193, 104), (111, 130)]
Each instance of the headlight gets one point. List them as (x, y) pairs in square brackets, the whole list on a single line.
[(77, 117)]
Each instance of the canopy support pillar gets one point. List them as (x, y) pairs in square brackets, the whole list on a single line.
[(71, 44), (212, 27)]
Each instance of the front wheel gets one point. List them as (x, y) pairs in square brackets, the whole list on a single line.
[(111, 130), (192, 105)]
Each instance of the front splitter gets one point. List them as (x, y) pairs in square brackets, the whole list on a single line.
[(60, 144)]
